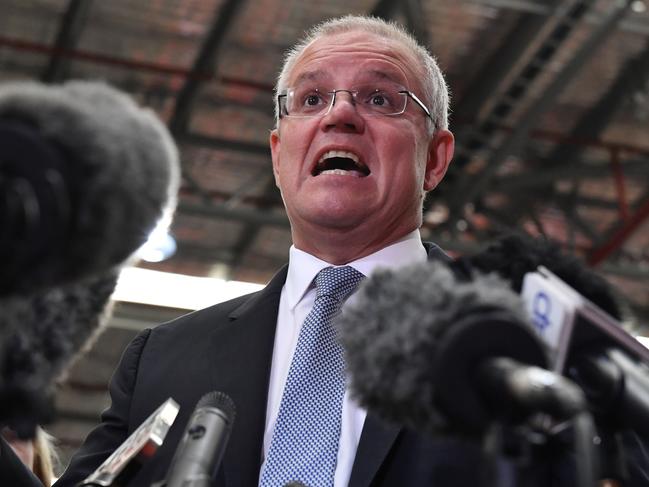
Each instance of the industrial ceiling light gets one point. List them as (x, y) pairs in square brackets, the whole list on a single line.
[(160, 245)]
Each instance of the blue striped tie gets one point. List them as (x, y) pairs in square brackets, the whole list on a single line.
[(305, 442)]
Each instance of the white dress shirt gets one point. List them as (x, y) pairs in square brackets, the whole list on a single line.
[(296, 301)]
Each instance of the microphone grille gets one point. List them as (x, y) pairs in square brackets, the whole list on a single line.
[(218, 400)]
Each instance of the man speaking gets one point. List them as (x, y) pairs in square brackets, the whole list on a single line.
[(361, 137)]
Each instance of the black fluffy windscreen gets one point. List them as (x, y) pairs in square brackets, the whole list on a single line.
[(513, 256), (391, 331), (40, 335)]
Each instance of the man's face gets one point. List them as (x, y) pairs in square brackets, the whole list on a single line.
[(397, 160)]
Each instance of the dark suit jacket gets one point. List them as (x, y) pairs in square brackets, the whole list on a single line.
[(228, 348)]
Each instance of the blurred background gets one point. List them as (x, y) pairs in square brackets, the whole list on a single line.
[(550, 112)]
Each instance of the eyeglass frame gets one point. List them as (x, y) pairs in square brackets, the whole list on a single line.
[(353, 94)]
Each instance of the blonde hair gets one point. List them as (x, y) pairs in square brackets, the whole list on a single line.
[(45, 456), (435, 90)]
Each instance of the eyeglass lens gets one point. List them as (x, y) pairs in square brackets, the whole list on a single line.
[(308, 101)]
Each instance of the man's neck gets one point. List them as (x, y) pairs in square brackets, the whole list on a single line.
[(343, 250)]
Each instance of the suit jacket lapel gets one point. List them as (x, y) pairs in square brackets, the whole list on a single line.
[(378, 437), (242, 370), (375, 443)]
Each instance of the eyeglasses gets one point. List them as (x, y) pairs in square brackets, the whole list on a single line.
[(371, 100)]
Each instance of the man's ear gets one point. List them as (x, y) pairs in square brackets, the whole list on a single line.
[(440, 153), (274, 153)]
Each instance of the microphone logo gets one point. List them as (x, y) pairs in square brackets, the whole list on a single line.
[(551, 309), (541, 310), (196, 432)]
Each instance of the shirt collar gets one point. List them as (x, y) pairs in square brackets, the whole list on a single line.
[(303, 267)]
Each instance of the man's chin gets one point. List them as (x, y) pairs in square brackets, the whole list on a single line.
[(337, 218)]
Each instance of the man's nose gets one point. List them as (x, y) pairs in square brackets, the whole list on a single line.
[(343, 114)]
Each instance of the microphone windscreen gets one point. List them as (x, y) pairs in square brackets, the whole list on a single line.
[(40, 335), (113, 171), (392, 330), (218, 400), (513, 256)]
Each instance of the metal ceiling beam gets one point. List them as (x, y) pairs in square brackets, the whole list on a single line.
[(499, 65), (500, 102), (130, 64), (413, 14), (247, 215), (211, 142), (598, 203), (621, 234), (629, 271), (562, 163), (189, 250), (204, 62), (416, 21), (103, 59), (634, 75), (249, 233), (471, 188), (385, 9), (540, 7), (72, 24), (542, 178)]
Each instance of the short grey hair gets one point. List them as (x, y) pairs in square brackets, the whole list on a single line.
[(435, 95)]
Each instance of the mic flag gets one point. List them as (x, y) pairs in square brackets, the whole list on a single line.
[(126, 461)]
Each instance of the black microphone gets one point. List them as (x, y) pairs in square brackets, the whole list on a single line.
[(127, 460), (513, 256), (429, 351), (201, 448), (40, 335), (576, 313), (85, 174)]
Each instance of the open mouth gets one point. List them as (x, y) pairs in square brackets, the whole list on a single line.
[(342, 163)]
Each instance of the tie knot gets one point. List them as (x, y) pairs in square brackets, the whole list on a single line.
[(337, 282)]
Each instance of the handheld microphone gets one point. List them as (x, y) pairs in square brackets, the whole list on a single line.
[(591, 347), (85, 174), (574, 312), (201, 448), (126, 461), (427, 350)]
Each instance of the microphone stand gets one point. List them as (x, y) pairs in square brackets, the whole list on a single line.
[(614, 472), (531, 452), (536, 399)]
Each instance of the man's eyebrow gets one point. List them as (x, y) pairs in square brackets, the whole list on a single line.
[(386, 75), (311, 76), (380, 74)]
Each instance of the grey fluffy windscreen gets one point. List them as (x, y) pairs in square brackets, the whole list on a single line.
[(123, 170), (390, 333)]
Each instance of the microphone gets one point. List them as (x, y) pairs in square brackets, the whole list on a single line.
[(585, 340), (85, 174), (513, 256), (126, 461), (429, 351), (201, 448), (40, 335)]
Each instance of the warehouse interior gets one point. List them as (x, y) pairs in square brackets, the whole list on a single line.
[(550, 111)]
